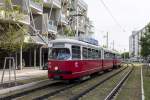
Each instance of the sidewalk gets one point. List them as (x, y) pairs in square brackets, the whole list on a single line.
[(26, 73)]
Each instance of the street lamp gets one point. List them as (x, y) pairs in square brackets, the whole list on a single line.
[(106, 36), (124, 54), (113, 45)]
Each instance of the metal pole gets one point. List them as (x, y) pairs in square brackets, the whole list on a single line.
[(124, 54), (40, 57), (34, 57), (14, 67), (9, 71), (16, 59), (113, 45), (77, 31), (43, 59), (30, 58), (21, 57), (2, 80), (107, 39)]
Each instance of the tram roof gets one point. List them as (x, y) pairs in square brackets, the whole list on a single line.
[(78, 42), (74, 41)]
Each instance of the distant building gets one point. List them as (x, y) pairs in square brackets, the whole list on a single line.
[(134, 43)]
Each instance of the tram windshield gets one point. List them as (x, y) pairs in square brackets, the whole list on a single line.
[(59, 53)]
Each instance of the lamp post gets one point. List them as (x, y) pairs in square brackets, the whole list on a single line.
[(77, 30), (107, 41), (124, 54)]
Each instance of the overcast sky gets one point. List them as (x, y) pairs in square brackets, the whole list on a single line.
[(131, 15)]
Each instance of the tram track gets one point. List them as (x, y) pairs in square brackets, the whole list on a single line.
[(50, 97), (116, 89), (19, 93), (109, 89), (86, 91), (54, 89)]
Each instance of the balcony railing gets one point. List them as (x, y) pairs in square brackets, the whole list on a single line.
[(56, 3), (62, 19), (1, 2), (24, 19), (83, 4), (36, 6), (52, 27), (14, 17)]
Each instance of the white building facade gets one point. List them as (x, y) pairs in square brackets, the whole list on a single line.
[(134, 44)]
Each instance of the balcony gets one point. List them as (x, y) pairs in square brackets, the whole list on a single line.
[(9, 16), (56, 3), (81, 29), (24, 19), (62, 20), (36, 7), (1, 2), (52, 27), (82, 4)]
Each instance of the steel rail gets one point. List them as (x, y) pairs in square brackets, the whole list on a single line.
[(26, 91), (119, 85), (65, 88), (76, 97)]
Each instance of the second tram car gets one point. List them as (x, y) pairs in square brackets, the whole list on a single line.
[(73, 59)]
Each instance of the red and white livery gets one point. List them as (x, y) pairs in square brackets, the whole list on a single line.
[(73, 59)]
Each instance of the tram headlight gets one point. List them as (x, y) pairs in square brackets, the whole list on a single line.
[(56, 68)]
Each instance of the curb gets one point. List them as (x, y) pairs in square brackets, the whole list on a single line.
[(8, 90)]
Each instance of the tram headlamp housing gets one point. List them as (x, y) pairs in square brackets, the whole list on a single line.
[(56, 68)]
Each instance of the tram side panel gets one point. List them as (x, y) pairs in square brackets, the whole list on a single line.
[(107, 64), (73, 69), (92, 66), (108, 61)]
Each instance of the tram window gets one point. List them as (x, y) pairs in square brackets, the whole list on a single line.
[(111, 55), (99, 54), (96, 54), (59, 53), (76, 53), (89, 53), (106, 55), (93, 53), (85, 53)]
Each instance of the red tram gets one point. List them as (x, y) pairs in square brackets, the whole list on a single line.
[(74, 59)]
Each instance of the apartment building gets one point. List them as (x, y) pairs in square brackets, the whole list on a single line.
[(134, 43), (45, 19), (78, 16)]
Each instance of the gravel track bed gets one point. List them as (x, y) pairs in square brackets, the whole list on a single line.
[(44, 91), (104, 89), (131, 90)]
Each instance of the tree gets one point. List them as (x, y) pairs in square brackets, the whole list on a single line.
[(145, 43), (11, 31), (11, 37), (68, 32), (125, 54)]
